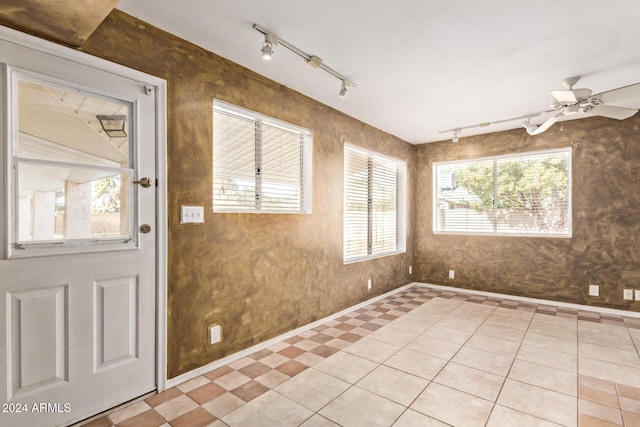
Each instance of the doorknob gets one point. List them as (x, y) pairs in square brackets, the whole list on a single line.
[(145, 228), (145, 182)]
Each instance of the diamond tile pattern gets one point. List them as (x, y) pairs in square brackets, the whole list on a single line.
[(430, 357)]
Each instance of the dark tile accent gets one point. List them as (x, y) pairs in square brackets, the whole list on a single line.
[(100, 422), (292, 368), (349, 337), (324, 351), (249, 391), (345, 326), (165, 396), (294, 340), (291, 352), (149, 418), (206, 393), (371, 326), (589, 319), (256, 369), (509, 306), (198, 417), (528, 305), (219, 372), (591, 314), (611, 317)]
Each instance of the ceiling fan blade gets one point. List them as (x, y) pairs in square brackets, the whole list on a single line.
[(544, 126), (620, 94), (611, 112), (564, 96)]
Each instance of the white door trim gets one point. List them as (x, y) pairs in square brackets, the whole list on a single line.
[(160, 86)]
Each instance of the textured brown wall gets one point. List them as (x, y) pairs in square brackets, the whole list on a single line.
[(256, 275), (70, 22), (604, 249)]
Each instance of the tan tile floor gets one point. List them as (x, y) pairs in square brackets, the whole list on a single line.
[(422, 357)]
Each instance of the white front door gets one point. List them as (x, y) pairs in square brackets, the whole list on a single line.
[(77, 274)]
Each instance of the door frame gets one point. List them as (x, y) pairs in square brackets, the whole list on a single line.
[(160, 87)]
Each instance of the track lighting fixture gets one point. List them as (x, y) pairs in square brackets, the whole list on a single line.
[(456, 135), (344, 89), (267, 47), (270, 41)]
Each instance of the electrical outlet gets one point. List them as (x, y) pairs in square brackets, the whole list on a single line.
[(594, 290), (215, 334), (452, 274), (637, 294), (369, 284), (410, 270), (627, 294)]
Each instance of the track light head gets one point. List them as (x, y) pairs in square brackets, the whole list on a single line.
[(456, 136), (267, 51), (344, 89), (267, 47)]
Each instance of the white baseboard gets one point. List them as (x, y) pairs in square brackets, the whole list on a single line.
[(172, 382), (603, 310)]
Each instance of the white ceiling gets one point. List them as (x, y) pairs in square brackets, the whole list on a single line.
[(421, 66)]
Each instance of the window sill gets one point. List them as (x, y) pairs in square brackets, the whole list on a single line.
[(491, 234), (370, 257)]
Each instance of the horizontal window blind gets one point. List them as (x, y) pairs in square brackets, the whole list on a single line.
[(374, 204), (260, 164), (517, 194)]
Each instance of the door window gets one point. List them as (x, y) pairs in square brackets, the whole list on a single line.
[(72, 169)]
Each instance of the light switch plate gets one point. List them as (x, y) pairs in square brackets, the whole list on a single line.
[(191, 214)]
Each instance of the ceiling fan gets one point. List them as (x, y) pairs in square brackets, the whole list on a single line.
[(569, 102), (572, 101)]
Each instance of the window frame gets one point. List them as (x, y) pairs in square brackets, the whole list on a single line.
[(567, 235), (401, 206), (306, 162)]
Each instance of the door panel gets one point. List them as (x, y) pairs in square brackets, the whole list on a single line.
[(116, 321), (38, 334), (78, 282)]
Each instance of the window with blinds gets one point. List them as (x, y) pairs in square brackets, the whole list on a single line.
[(524, 194), (260, 164), (374, 204)]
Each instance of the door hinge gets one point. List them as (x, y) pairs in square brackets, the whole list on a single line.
[(149, 89)]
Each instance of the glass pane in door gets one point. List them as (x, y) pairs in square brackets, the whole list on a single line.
[(72, 156)]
